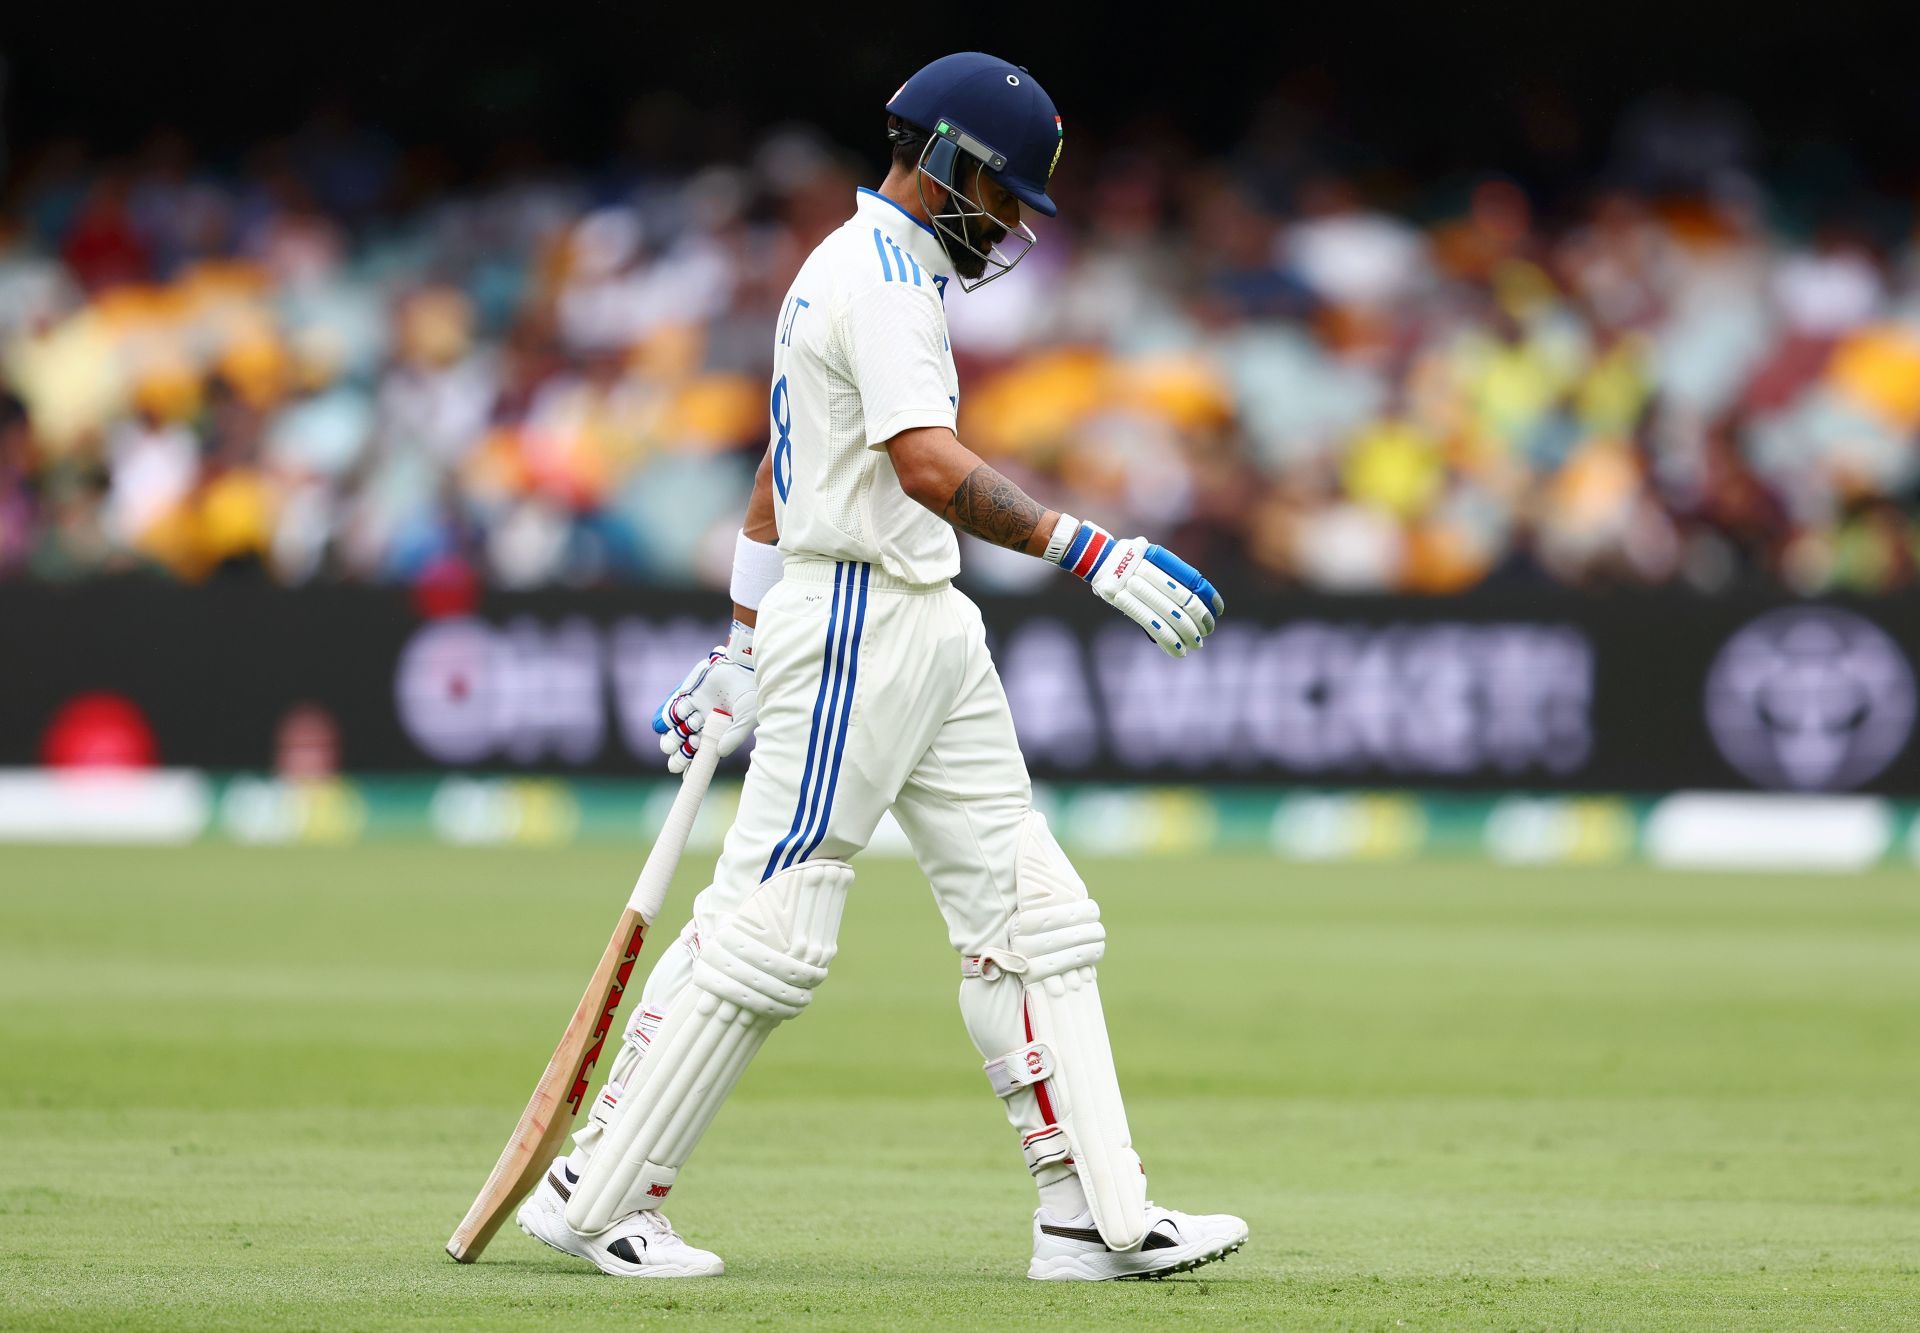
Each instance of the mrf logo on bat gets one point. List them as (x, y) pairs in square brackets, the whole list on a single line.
[(578, 1092)]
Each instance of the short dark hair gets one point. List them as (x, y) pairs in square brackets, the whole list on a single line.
[(907, 139)]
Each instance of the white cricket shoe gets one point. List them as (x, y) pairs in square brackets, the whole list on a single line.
[(1072, 1251), (641, 1244)]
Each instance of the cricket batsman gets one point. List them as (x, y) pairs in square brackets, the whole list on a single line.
[(868, 676)]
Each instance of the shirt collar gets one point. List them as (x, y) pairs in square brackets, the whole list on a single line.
[(916, 237)]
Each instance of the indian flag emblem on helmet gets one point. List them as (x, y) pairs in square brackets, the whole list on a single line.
[(1061, 131)]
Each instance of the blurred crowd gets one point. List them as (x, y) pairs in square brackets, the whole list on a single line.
[(319, 365)]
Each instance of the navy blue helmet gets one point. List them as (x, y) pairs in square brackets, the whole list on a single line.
[(994, 111), (977, 108)]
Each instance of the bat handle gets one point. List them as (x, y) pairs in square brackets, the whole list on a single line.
[(650, 889)]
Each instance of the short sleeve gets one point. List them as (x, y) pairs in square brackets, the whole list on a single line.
[(898, 355)]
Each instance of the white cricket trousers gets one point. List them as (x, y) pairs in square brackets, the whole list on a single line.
[(873, 695)]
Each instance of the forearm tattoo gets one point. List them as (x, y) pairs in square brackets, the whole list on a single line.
[(994, 509)]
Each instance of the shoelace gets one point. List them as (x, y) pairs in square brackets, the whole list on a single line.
[(657, 1224)]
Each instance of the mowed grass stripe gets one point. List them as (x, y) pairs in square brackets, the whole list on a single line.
[(256, 1088)]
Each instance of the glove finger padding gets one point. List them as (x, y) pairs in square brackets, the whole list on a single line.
[(674, 716), (743, 708), (1164, 617), (722, 684), (1153, 620), (1176, 577), (1163, 594), (679, 753), (1169, 612), (683, 726)]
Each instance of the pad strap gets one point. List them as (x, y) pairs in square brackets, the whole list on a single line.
[(993, 963), (1020, 1068), (1045, 1147)]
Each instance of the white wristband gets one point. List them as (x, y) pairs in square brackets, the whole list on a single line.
[(1062, 536), (756, 568)]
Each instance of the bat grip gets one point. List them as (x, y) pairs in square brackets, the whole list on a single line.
[(650, 889)]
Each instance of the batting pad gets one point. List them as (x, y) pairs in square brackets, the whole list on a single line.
[(755, 971), (1058, 935)]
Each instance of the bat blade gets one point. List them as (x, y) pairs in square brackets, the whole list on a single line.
[(557, 1098), (562, 1089)]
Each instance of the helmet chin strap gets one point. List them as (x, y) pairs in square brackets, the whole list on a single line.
[(941, 162)]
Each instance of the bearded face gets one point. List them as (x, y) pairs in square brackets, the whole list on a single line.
[(972, 219), (983, 233)]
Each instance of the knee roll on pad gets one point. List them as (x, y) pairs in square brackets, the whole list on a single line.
[(757, 969), (1059, 939), (757, 976), (1056, 940)]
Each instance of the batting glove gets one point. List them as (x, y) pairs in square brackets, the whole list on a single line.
[(1150, 585), (723, 680)]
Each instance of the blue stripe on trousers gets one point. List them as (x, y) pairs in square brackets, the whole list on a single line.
[(813, 735), (840, 741), (846, 661)]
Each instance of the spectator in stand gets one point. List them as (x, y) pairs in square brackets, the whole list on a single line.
[(17, 501), (547, 378)]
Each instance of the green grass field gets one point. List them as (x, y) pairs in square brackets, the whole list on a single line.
[(257, 1088)]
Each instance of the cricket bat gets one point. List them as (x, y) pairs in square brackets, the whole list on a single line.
[(562, 1088)]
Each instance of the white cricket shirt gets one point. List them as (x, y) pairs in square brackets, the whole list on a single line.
[(860, 354)]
